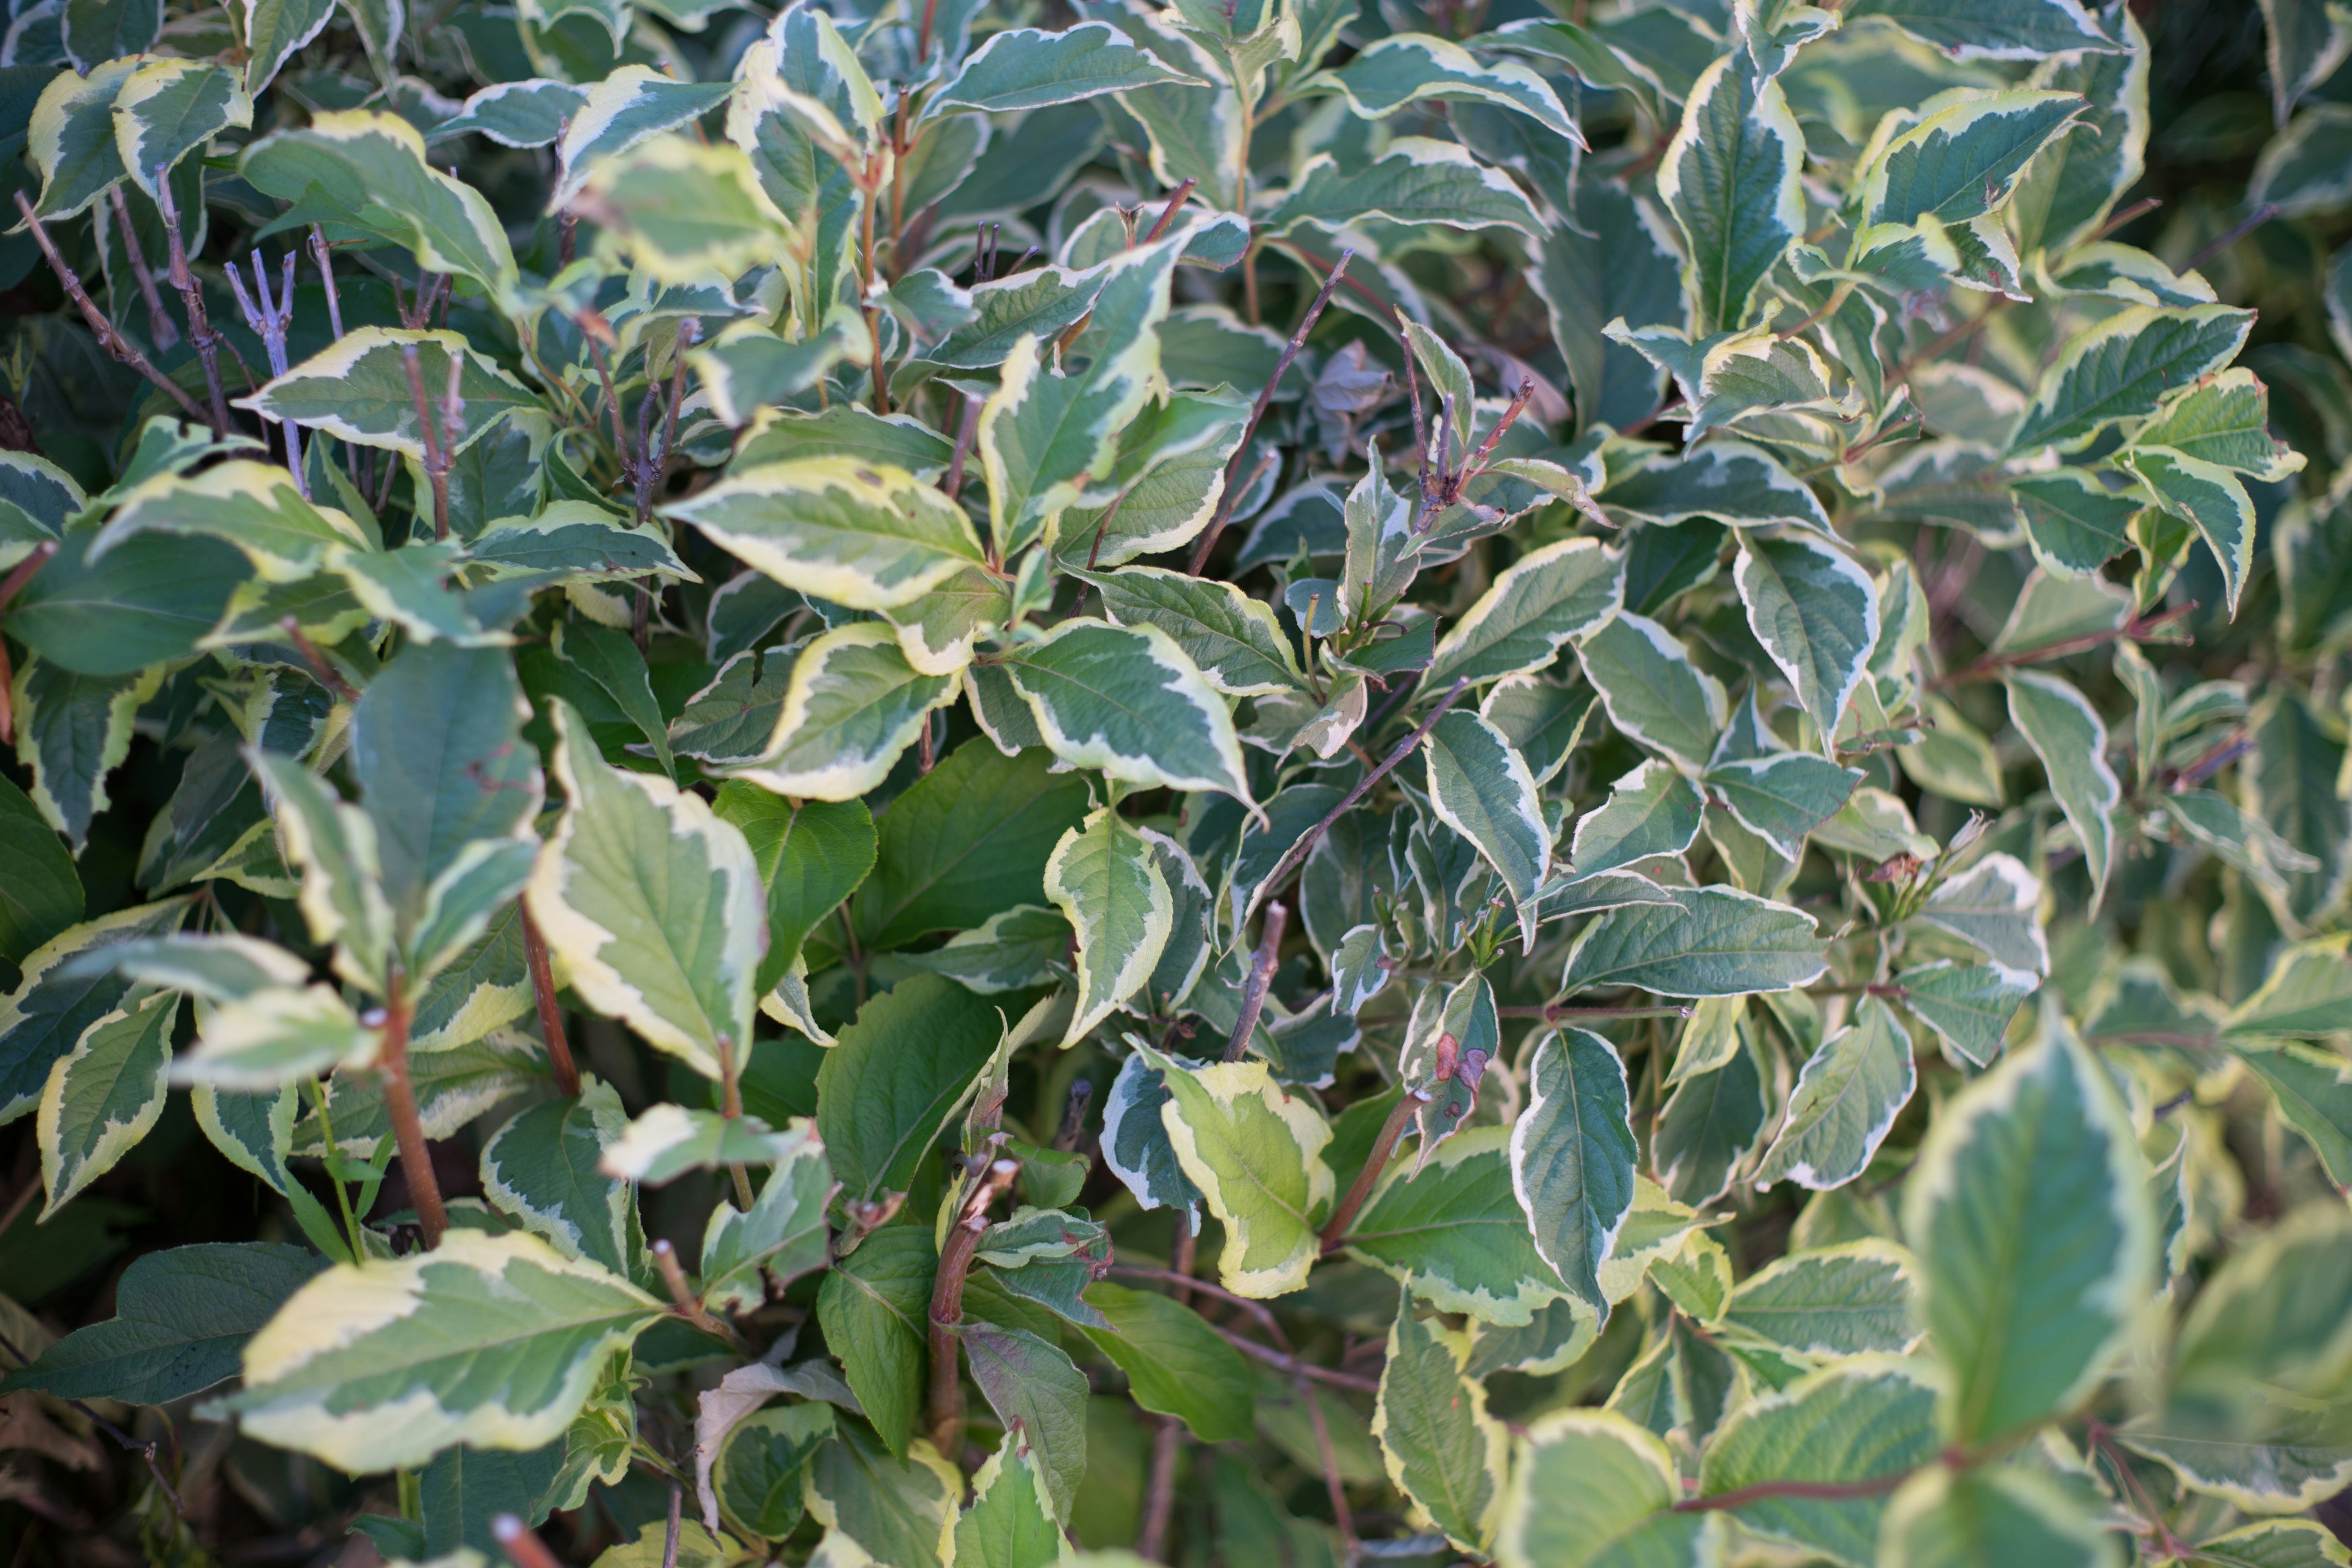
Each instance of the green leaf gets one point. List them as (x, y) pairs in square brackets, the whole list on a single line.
[(1104, 878), (1994, 907), (2275, 1543), (492, 1339), (873, 1306), (853, 705), (1840, 1301), (181, 1317), (1032, 1383), (968, 840), (2068, 190), (58, 1000), (1011, 1523), (1546, 598), (1411, 68), (680, 210), (651, 904), (1729, 179), (866, 535), (105, 1094), (1417, 181), (1782, 797), (2225, 420), (1700, 941), (1652, 691), (1022, 68), (2313, 1091), (1708, 1126), (1865, 1419), (1256, 1155), (1129, 701), (2122, 367), (2029, 1317), (628, 109), (146, 602), (1652, 810), (72, 731), (899, 1510), (762, 1471), (1816, 612), (2302, 171), (1990, 29), (2006, 1516), (169, 109), (1846, 1098), (2212, 499), (1572, 1157), (1970, 1004), (1457, 1234), (41, 891), (2066, 734), (2074, 524), (895, 1079), (368, 170), (1726, 480), (1235, 640), (70, 138), (611, 660), (1962, 161), (1176, 1364), (811, 857), (781, 1237), (275, 31), (2292, 787), (1439, 1447), (544, 1168), (1482, 790), (357, 389), (1136, 1143), (1590, 1488)]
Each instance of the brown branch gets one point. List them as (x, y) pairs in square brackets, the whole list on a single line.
[(1553, 1012), (1160, 1495), (1330, 1462), (525, 1549), (1074, 1118), (2254, 220), (438, 460), (551, 1016), (1297, 854), (1824, 1492), (325, 674), (946, 1409), (686, 1303), (965, 429), (1335, 1232), (319, 254), (2136, 629), (1261, 976), (123, 1439), (1231, 497), (1167, 213), (160, 330), (191, 298), (1294, 1365), (15, 580), (407, 1128), (112, 340)]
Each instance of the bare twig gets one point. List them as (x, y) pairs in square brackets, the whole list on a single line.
[(2253, 221), (191, 298), (1826, 1491), (1074, 1117), (319, 254), (437, 457), (15, 582), (123, 1439), (677, 1509), (112, 340), (269, 323), (324, 673), (1160, 1495), (1261, 976), (1168, 212), (965, 430), (686, 1303), (160, 330), (1231, 497), (551, 1014), (1297, 854), (2136, 629), (1331, 1483)]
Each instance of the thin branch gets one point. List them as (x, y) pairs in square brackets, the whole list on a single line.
[(525, 1549), (112, 342), (325, 674), (1231, 497), (677, 1509), (2254, 220), (1160, 1495), (191, 298), (1293, 1365), (946, 1410), (1298, 852), (319, 254), (160, 330), (1824, 1492), (551, 1014), (2136, 629), (15, 582), (965, 430), (1074, 1118), (1332, 1486), (400, 1103), (1261, 976), (686, 1303), (1335, 1231), (1167, 213), (437, 458), (123, 1439)]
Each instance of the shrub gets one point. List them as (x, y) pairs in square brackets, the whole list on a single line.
[(895, 786)]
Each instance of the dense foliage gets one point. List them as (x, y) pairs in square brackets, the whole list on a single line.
[(1273, 782)]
